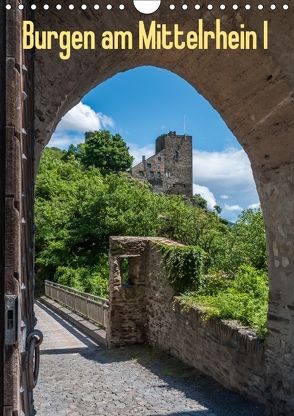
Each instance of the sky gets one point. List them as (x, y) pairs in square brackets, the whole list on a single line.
[(145, 102)]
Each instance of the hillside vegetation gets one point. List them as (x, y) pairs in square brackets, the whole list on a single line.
[(79, 205)]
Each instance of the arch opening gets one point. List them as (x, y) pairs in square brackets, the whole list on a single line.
[(101, 117)]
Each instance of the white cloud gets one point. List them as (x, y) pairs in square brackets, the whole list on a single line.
[(233, 208), (228, 176), (79, 119), (254, 206), (82, 118), (230, 167), (206, 194)]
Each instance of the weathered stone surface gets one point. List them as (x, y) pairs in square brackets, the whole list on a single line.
[(147, 311), (233, 356), (125, 327), (170, 169), (277, 192)]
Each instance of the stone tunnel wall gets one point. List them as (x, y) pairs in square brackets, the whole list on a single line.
[(146, 311)]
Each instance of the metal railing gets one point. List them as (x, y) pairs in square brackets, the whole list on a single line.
[(89, 306)]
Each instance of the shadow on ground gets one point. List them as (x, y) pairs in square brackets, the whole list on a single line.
[(191, 413), (173, 374), (176, 375)]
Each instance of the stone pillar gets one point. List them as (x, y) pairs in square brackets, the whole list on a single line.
[(276, 189), (127, 313)]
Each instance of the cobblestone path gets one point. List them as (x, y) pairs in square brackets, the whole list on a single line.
[(79, 378)]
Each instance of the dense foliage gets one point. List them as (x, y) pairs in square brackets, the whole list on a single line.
[(78, 207), (184, 266), (243, 298), (103, 150)]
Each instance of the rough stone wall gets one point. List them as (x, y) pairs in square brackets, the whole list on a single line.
[(178, 161), (127, 310), (152, 170), (279, 348), (170, 169), (230, 354)]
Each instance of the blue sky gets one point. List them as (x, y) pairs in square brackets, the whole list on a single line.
[(148, 101), (145, 102)]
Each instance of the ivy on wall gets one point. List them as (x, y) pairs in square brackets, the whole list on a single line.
[(184, 266)]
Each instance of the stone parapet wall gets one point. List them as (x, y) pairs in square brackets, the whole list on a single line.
[(147, 311), (232, 356)]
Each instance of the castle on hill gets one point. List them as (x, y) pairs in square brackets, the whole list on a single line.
[(170, 169)]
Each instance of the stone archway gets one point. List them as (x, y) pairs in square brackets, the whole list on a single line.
[(252, 90)]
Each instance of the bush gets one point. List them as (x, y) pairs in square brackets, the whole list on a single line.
[(184, 266), (92, 280), (243, 298)]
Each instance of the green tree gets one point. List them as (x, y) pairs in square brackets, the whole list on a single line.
[(199, 201), (75, 151), (104, 151), (217, 209), (249, 239)]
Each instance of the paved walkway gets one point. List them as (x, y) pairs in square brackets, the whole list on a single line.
[(79, 378)]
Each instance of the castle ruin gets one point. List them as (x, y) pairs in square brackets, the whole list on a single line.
[(170, 169)]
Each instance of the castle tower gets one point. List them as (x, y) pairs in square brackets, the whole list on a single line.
[(170, 169)]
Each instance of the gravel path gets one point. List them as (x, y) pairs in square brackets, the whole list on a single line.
[(79, 378)]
